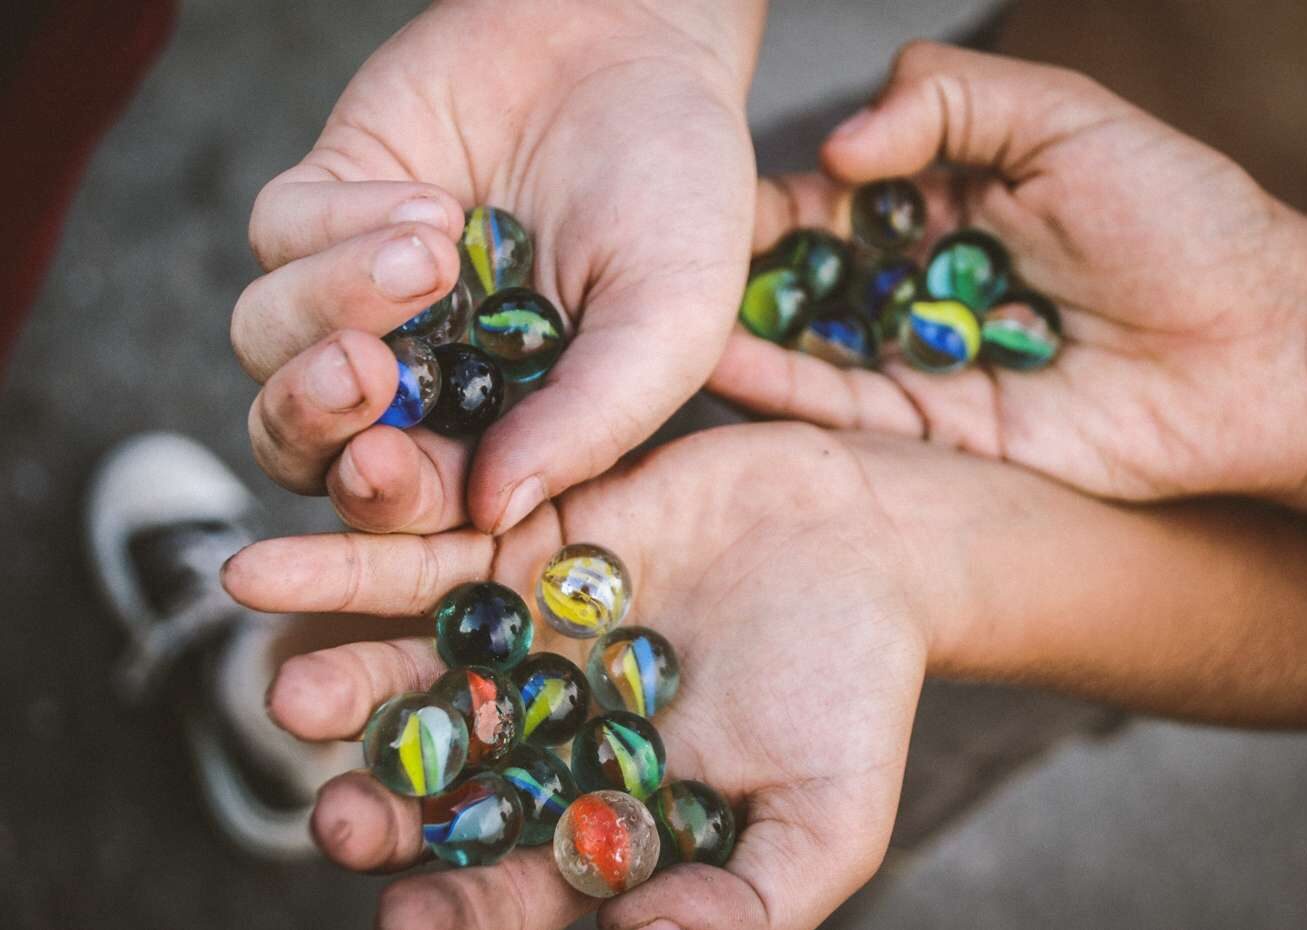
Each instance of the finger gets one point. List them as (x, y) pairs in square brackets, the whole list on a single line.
[(794, 201), (778, 382), (968, 107), (388, 481), (373, 283), (311, 407), (306, 210), (785, 874), (360, 825), (523, 892), (394, 575), (331, 693)]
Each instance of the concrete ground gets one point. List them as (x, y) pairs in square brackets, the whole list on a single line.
[(1020, 809)]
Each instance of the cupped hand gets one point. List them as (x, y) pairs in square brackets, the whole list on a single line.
[(616, 133), (1181, 283), (763, 555)]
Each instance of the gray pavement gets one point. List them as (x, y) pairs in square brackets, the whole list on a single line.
[(99, 822)]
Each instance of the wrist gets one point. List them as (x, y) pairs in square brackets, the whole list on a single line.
[(714, 39), (933, 515), (1286, 277)]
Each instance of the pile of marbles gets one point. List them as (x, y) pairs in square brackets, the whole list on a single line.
[(851, 303), (459, 358), (483, 749)]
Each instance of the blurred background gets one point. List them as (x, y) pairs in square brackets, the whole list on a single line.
[(1020, 810)]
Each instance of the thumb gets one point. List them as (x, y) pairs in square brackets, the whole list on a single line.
[(789, 871), (966, 107)]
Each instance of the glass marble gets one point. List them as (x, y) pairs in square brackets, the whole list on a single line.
[(970, 266), (521, 330), (477, 822), (415, 744), (695, 824), (634, 669), (939, 336), (1023, 331), (491, 709), (420, 379), (888, 216), (495, 252), (471, 392), (606, 843), (444, 321), (556, 696), (619, 751), (775, 299), (884, 291), (838, 336), (483, 623), (544, 786), (822, 261), (584, 591)]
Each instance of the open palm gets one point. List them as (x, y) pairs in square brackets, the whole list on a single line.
[(800, 673), (1186, 339), (617, 138)]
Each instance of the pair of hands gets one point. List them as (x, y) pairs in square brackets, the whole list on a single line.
[(800, 683)]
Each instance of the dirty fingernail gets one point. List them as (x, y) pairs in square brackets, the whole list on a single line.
[(422, 210), (330, 382), (526, 497), (404, 268), (853, 125), (351, 479)]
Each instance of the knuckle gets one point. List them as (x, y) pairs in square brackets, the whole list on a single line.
[(914, 57), (427, 578), (408, 905), (261, 225)]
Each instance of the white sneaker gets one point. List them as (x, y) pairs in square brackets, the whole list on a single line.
[(162, 516)]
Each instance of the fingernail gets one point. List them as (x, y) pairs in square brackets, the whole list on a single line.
[(422, 210), (351, 479), (330, 382), (853, 125), (404, 268), (659, 924), (526, 497)]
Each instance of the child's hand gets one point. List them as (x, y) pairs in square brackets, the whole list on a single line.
[(1183, 287), (760, 554), (616, 134)]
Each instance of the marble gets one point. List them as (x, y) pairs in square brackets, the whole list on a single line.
[(483, 623), (634, 669), (621, 751), (491, 708), (888, 216), (695, 824), (556, 696), (606, 843), (839, 337), (471, 394), (522, 331), (495, 252), (444, 321), (774, 302), (969, 266), (584, 591), (415, 744), (477, 822), (1023, 332), (420, 382), (544, 786), (940, 336)]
